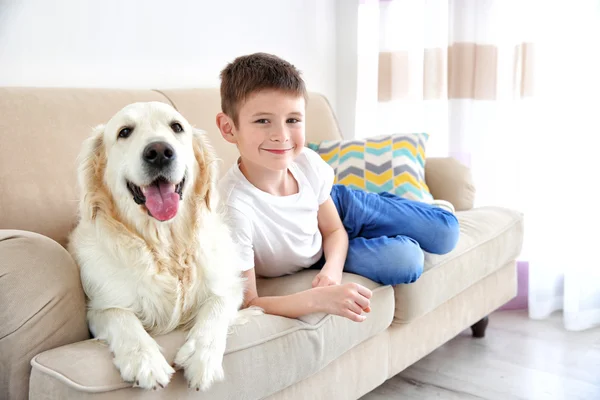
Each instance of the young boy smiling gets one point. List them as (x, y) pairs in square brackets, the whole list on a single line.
[(287, 215)]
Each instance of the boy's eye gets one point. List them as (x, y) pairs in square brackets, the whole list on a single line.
[(293, 121), (262, 121)]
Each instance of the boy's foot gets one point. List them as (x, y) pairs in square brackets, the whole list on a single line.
[(446, 205)]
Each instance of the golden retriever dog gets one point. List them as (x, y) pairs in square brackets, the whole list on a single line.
[(153, 249)]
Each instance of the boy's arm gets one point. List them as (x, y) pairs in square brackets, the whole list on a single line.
[(291, 306), (335, 245), (349, 300)]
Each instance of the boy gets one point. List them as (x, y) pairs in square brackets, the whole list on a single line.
[(287, 215)]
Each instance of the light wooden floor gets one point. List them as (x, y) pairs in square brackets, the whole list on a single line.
[(518, 359)]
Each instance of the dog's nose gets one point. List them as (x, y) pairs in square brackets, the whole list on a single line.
[(159, 154)]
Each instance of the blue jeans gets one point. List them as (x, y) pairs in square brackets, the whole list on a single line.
[(388, 234)]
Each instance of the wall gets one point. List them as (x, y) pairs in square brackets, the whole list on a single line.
[(152, 43)]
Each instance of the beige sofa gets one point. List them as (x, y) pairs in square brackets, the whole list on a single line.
[(45, 347)]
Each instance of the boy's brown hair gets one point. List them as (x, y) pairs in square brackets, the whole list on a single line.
[(254, 72)]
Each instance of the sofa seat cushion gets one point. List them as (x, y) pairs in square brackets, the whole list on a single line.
[(264, 356), (489, 238)]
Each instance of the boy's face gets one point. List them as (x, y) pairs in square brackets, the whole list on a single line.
[(270, 129)]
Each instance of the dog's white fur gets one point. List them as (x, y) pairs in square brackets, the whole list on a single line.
[(144, 277)]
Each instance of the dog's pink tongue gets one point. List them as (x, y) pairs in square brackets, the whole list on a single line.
[(161, 200)]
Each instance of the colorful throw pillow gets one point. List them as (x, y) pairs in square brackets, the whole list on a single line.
[(390, 163)]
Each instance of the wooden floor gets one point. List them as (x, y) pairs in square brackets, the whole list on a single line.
[(518, 359)]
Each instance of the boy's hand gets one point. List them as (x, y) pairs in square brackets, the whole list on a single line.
[(348, 300), (328, 277), (323, 279)]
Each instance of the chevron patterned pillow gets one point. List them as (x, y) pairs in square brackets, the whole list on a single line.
[(388, 163)]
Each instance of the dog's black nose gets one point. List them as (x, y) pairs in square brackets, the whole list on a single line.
[(159, 154)]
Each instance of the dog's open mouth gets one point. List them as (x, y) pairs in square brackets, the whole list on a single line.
[(161, 198)]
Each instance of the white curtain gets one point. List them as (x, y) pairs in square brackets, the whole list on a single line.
[(508, 88), (564, 171)]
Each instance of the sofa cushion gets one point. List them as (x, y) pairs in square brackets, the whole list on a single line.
[(385, 163), (489, 238), (42, 305), (264, 356)]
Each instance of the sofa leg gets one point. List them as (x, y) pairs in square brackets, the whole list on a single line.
[(479, 327)]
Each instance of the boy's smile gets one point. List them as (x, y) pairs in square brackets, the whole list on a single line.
[(278, 151)]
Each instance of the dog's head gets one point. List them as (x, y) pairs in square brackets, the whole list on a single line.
[(147, 159)]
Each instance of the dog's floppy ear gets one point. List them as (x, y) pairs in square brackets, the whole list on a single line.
[(206, 158), (92, 164)]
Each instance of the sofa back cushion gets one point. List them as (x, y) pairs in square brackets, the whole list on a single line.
[(41, 131)]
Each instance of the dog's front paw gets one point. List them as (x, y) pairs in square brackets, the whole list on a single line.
[(145, 367), (202, 361)]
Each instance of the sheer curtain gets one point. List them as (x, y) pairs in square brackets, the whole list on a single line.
[(508, 88), (565, 166)]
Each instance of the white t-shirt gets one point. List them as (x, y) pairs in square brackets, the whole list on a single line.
[(278, 235)]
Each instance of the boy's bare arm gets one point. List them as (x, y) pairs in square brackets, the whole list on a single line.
[(348, 301), (335, 245), (291, 306)]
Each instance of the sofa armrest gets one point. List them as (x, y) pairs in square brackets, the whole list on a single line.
[(450, 180), (42, 305)]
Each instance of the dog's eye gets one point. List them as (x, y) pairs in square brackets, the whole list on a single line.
[(125, 133), (176, 126)]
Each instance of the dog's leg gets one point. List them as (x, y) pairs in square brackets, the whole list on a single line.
[(202, 354), (137, 355)]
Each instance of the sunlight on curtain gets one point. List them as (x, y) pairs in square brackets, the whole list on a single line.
[(510, 89), (564, 166)]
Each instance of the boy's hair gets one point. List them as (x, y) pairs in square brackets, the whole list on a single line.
[(251, 73)]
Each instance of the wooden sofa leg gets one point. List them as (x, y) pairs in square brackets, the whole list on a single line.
[(479, 327)]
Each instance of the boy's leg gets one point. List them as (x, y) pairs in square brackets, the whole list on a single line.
[(389, 261), (372, 215)]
